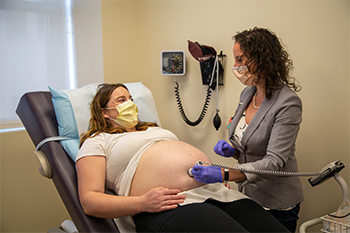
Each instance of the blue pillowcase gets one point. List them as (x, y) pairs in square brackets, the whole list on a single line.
[(72, 109)]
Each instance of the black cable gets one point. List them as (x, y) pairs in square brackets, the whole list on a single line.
[(334, 216), (182, 112)]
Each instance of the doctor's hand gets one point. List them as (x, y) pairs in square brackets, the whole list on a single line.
[(224, 149), (207, 174)]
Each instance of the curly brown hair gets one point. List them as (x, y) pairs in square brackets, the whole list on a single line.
[(271, 61), (98, 123)]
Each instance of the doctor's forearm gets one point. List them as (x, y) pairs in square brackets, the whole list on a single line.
[(236, 176)]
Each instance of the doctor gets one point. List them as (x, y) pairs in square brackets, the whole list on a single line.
[(264, 128)]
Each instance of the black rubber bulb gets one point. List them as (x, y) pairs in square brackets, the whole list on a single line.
[(217, 121)]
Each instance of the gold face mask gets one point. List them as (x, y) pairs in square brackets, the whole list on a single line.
[(128, 114), (243, 75)]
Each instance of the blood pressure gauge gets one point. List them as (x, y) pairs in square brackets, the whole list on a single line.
[(172, 62)]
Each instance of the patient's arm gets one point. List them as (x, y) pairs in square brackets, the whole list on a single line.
[(91, 172)]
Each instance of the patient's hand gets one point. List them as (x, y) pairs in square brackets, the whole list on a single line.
[(161, 199), (227, 185)]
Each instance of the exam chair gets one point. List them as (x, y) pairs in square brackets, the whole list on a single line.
[(39, 117)]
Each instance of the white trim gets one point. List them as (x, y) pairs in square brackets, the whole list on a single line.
[(10, 130), (50, 139), (11, 126)]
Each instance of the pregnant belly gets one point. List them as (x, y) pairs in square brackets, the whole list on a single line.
[(165, 164)]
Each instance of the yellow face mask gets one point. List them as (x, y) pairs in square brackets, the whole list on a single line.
[(128, 114)]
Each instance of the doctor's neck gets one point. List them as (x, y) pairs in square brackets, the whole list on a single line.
[(260, 91)]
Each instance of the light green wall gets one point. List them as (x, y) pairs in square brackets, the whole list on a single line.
[(316, 34)]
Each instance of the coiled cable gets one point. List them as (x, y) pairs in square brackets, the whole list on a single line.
[(182, 112), (265, 172)]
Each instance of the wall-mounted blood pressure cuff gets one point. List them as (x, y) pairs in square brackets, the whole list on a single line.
[(201, 52)]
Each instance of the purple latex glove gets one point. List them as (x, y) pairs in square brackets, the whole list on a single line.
[(207, 174), (223, 148)]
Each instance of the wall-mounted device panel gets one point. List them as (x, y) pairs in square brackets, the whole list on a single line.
[(172, 62)]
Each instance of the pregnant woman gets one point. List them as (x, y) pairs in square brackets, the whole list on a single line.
[(146, 166)]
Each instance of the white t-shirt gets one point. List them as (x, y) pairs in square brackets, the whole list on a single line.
[(122, 151)]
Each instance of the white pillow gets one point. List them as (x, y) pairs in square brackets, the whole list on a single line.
[(72, 109)]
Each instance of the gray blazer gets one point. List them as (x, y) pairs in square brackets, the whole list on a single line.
[(269, 144)]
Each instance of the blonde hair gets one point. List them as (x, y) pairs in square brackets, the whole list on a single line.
[(98, 124)]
